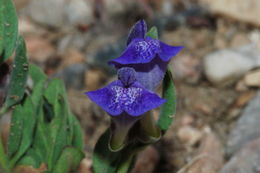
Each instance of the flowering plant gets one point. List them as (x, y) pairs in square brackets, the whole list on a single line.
[(129, 100)]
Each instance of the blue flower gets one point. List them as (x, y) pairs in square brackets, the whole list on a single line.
[(125, 95), (126, 100), (149, 57)]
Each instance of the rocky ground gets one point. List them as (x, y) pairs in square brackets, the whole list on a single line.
[(217, 75)]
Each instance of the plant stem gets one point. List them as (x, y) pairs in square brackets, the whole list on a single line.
[(149, 129), (124, 167)]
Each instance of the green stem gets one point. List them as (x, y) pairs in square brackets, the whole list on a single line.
[(119, 134), (150, 131), (124, 167), (118, 137)]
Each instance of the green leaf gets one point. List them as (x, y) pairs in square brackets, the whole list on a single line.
[(153, 33), (77, 134), (1, 30), (8, 29), (169, 108), (59, 141), (15, 136), (37, 93), (42, 140), (69, 160), (36, 73), (18, 76), (58, 127), (58, 134), (28, 160), (31, 158), (54, 92), (28, 114)]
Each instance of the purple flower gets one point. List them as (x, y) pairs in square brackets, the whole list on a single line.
[(125, 95), (149, 57), (126, 100)]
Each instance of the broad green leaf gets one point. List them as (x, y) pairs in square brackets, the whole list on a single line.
[(37, 93), (32, 158), (54, 92), (15, 135), (58, 126), (42, 139), (169, 108), (28, 160), (59, 140), (153, 33), (77, 134), (36, 73), (69, 160), (1, 30), (8, 29), (18, 75), (47, 138), (28, 114)]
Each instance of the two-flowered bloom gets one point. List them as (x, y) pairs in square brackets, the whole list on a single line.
[(141, 68)]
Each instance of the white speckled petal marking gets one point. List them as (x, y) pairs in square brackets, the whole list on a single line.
[(147, 48), (123, 97)]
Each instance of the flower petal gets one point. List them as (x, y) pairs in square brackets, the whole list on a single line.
[(139, 51), (167, 51), (127, 76), (116, 99), (149, 75), (152, 77), (137, 31), (144, 102), (104, 98)]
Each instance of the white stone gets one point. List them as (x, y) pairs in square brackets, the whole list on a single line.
[(61, 13), (47, 12), (79, 12), (225, 66)]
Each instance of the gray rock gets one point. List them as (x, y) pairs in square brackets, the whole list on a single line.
[(60, 13), (246, 160), (247, 127), (225, 66), (79, 12), (47, 12)]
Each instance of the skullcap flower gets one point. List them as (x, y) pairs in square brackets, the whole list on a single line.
[(125, 95), (148, 56)]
